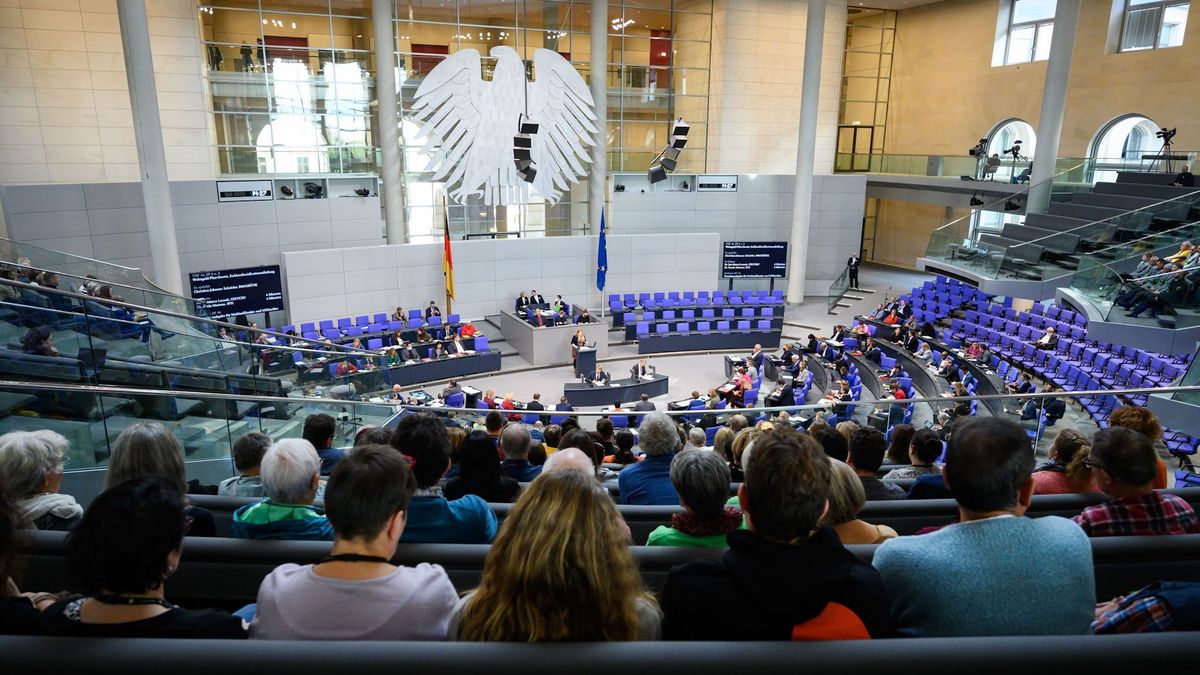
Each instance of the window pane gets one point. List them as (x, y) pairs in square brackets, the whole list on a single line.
[(1033, 10), (1020, 45), (1140, 26), (1042, 48), (1174, 23)]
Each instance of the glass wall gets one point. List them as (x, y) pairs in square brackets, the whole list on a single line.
[(292, 84)]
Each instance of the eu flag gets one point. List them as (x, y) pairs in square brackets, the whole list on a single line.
[(601, 255)]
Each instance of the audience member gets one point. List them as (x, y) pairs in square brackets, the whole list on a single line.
[(923, 451), (122, 552), (897, 451), (431, 517), (1122, 462), (723, 444), (367, 499), (38, 340), (559, 571), (570, 459), (867, 446), (551, 436), (624, 440), (150, 449), (319, 430), (649, 481), (834, 443), (247, 451), (1064, 472), (784, 577), (19, 611), (369, 435), (696, 439), (846, 501), (1140, 419), (291, 475), (702, 480), (479, 472), (514, 443), (31, 465), (988, 574)]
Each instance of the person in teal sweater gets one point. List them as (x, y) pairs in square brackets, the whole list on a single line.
[(701, 478), (995, 572), (291, 475)]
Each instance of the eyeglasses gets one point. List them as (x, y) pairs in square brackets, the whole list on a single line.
[(1090, 464)]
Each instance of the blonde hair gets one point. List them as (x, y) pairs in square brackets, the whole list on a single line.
[(723, 442), (846, 494), (743, 440), (559, 570), (146, 449), (846, 428)]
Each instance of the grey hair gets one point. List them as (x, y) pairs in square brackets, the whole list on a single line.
[(146, 449), (27, 456), (657, 434), (697, 437), (570, 459), (702, 480), (288, 469), (514, 441), (846, 494)]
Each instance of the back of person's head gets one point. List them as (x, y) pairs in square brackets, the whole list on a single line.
[(146, 449), (559, 570), (846, 495), (373, 436), (514, 440), (988, 462), (537, 454), (367, 488), (697, 437), (742, 441), (290, 469), (834, 444), (926, 446), (737, 422), (319, 430), (477, 458), (846, 428), (1072, 449), (657, 434), (422, 438), (126, 536), (723, 443), (1125, 455), (570, 459), (26, 457), (624, 440), (1137, 418), (604, 428), (702, 480), (786, 486), (867, 446), (248, 450), (493, 422), (897, 451), (551, 435)]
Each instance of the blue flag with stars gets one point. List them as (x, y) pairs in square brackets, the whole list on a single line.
[(601, 256)]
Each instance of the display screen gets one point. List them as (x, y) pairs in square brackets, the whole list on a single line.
[(744, 259), (249, 290)]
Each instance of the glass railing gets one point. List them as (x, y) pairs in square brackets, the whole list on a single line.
[(959, 243), (837, 289), (1082, 170), (74, 271)]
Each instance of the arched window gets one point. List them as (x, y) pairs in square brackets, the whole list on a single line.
[(1002, 139), (1120, 145)]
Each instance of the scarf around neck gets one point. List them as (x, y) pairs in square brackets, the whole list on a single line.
[(59, 505), (729, 520)]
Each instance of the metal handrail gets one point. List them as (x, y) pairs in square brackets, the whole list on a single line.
[(1106, 220), (103, 282), (94, 260)]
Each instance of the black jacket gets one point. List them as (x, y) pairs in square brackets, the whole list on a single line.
[(761, 589)]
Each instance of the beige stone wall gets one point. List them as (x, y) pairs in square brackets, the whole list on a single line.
[(946, 93), (903, 228), (757, 71), (64, 101)]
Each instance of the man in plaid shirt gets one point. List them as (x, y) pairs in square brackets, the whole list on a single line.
[(1123, 465)]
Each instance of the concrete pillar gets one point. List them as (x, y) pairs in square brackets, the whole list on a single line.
[(391, 170), (1054, 103), (810, 90), (147, 132), (599, 68)]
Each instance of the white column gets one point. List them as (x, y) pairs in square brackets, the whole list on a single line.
[(391, 170), (810, 90), (147, 132), (1054, 103), (599, 68)]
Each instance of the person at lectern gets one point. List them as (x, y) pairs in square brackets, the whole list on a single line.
[(598, 378), (579, 339), (639, 370), (583, 317)]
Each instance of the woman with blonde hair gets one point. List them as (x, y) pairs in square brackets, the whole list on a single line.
[(846, 501), (741, 441), (560, 570), (846, 428), (1141, 420), (1065, 472), (150, 449), (723, 443)]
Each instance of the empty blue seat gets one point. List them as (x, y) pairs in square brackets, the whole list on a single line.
[(453, 319), (688, 314), (332, 333), (457, 400), (326, 324), (362, 320), (728, 313), (747, 311), (308, 327), (743, 325), (764, 324), (375, 343), (416, 314), (642, 328), (668, 314), (708, 313), (354, 331), (767, 312), (344, 323), (681, 327), (415, 323), (481, 343), (661, 328), (703, 326), (723, 326)]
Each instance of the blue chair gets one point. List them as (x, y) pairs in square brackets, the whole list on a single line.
[(308, 327), (629, 301), (375, 343), (750, 397), (395, 325), (747, 311), (415, 314), (530, 418), (457, 400), (728, 313), (285, 329), (710, 435), (743, 325), (414, 324), (708, 313), (734, 299), (362, 320), (668, 314), (326, 324), (703, 298), (642, 328), (454, 319), (628, 317), (688, 314), (703, 327), (435, 321), (764, 324), (311, 336), (344, 323), (332, 334), (681, 327), (661, 328), (558, 419), (481, 343), (723, 326), (354, 331), (767, 312), (379, 318)]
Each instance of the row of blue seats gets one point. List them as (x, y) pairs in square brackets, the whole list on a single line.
[(649, 300), (643, 327), (364, 324)]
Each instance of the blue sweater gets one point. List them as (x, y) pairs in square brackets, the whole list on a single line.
[(467, 520), (648, 482), (1000, 576)]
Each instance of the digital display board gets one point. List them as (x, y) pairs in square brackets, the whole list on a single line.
[(245, 190), (248, 290), (754, 259)]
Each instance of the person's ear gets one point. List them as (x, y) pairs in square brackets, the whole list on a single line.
[(314, 483), (1025, 495), (396, 525), (824, 511), (173, 562)]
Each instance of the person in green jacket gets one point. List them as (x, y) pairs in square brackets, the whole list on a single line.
[(701, 478), (291, 476)]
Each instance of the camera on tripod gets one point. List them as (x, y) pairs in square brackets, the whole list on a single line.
[(1166, 134), (979, 150), (1015, 150)]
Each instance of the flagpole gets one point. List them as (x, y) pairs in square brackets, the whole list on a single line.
[(447, 273)]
